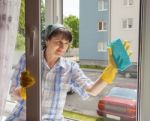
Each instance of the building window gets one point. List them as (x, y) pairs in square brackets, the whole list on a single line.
[(102, 5), (101, 46), (102, 26), (128, 2), (127, 23)]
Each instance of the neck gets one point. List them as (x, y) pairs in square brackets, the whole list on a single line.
[(51, 60)]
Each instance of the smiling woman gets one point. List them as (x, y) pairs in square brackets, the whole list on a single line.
[(120, 25)]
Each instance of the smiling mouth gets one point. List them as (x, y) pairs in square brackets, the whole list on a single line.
[(60, 51)]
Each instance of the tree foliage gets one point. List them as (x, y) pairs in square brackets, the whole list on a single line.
[(72, 22), (20, 43), (20, 40), (22, 18), (42, 15)]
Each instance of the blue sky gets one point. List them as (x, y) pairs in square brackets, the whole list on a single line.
[(71, 7)]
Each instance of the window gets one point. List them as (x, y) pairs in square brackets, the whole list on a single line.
[(102, 5), (131, 2), (101, 46), (143, 96), (102, 26), (127, 23), (128, 2)]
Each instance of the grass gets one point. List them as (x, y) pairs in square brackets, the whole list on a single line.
[(80, 117), (92, 67)]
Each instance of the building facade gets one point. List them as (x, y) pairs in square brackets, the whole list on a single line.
[(102, 21), (124, 19), (93, 31)]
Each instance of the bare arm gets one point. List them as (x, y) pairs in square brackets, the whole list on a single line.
[(108, 74), (97, 87)]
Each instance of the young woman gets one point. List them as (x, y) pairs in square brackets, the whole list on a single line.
[(58, 75)]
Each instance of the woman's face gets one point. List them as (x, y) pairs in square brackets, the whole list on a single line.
[(57, 46)]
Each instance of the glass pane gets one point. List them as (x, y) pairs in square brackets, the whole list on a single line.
[(131, 2), (62, 90), (91, 55), (105, 4), (100, 46), (100, 4), (100, 25), (9, 15), (104, 25), (130, 23)]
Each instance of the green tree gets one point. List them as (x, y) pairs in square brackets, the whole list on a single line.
[(72, 22), (42, 15), (22, 18), (20, 43)]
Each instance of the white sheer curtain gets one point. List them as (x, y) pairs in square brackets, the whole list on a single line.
[(9, 16)]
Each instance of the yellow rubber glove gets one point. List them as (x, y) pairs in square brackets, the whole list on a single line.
[(110, 71), (127, 46), (26, 81)]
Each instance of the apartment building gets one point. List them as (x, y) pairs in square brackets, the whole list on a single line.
[(93, 31), (102, 21), (124, 23)]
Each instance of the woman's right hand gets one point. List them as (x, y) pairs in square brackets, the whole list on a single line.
[(26, 79)]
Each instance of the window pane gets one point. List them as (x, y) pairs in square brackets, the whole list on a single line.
[(104, 26), (105, 4), (19, 42), (130, 23), (100, 27), (101, 46), (117, 100), (100, 5), (117, 21), (131, 2)]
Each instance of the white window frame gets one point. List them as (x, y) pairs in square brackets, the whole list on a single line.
[(127, 23), (103, 26), (101, 5), (102, 46)]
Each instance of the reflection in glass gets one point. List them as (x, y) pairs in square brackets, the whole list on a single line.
[(9, 14)]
